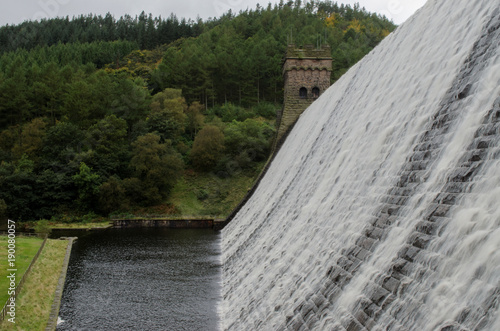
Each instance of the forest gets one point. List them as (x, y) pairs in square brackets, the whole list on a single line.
[(101, 116)]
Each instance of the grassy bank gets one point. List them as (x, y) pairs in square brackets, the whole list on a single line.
[(205, 194), (26, 248), (35, 300)]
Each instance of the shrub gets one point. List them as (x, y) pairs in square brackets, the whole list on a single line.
[(42, 227), (230, 112), (248, 141), (207, 148), (266, 110)]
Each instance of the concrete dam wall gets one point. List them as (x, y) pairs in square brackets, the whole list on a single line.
[(382, 209)]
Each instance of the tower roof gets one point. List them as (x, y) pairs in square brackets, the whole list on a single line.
[(307, 58), (308, 52)]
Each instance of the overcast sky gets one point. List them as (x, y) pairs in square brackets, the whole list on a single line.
[(15, 12)]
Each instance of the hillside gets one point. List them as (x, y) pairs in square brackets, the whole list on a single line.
[(102, 116)]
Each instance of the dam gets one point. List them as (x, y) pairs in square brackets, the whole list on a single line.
[(381, 209)]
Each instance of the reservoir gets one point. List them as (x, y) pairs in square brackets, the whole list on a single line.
[(143, 279)]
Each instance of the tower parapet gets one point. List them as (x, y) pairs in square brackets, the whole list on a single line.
[(306, 74)]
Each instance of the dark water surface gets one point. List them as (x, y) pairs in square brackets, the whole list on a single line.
[(143, 279)]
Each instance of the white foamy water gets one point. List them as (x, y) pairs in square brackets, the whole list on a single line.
[(348, 150)]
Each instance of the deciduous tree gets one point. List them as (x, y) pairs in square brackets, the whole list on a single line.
[(167, 116), (88, 184), (207, 148), (157, 165)]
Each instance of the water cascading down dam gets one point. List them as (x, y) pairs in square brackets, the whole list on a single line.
[(381, 211)]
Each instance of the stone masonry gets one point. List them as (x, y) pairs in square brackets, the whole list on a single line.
[(306, 74)]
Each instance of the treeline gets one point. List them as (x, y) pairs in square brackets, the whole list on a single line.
[(96, 124), (240, 59), (145, 30)]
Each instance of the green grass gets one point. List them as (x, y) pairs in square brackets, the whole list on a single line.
[(26, 248), (198, 194), (34, 303)]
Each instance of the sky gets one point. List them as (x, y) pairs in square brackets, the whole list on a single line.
[(15, 12)]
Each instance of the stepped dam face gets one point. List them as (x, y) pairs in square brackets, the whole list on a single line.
[(381, 211)]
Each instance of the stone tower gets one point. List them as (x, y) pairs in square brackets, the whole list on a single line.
[(306, 74)]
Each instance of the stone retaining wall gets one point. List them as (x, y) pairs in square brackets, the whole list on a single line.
[(54, 312), (164, 223)]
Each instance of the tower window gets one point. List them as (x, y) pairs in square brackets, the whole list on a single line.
[(303, 93), (315, 92)]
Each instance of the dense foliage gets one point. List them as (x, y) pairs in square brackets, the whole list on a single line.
[(240, 59), (103, 115)]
